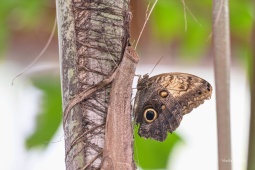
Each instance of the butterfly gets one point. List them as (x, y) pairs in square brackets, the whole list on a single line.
[(162, 100)]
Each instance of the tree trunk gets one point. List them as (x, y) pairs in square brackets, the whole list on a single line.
[(93, 36)]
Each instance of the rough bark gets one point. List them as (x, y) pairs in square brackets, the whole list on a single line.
[(92, 39), (221, 48), (118, 150)]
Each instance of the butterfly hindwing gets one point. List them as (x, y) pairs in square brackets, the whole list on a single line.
[(167, 112)]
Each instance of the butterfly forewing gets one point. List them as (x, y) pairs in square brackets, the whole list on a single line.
[(189, 90)]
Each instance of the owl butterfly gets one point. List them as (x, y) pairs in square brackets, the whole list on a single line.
[(162, 100)]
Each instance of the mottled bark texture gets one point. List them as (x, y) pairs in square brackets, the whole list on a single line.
[(93, 35)]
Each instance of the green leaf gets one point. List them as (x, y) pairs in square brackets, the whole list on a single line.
[(50, 116), (151, 154)]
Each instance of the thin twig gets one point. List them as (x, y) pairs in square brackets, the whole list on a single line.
[(185, 15), (39, 55), (146, 20), (193, 16), (251, 149), (86, 94), (147, 9), (80, 136), (92, 160)]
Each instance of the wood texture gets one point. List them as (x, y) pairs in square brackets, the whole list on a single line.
[(92, 39), (67, 55), (118, 150)]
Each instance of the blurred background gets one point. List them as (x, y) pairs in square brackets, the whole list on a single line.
[(30, 109)]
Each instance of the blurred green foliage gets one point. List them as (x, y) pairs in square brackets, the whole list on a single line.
[(50, 116), (19, 15), (168, 26), (151, 154)]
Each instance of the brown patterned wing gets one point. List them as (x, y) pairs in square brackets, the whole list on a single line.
[(189, 90), (156, 113)]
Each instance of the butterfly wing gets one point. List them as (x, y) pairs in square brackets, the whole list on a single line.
[(189, 90), (162, 100), (156, 115)]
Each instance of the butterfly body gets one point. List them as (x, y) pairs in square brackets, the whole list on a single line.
[(162, 100)]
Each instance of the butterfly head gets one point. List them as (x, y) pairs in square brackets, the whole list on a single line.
[(143, 82)]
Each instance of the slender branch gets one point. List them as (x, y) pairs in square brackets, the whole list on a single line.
[(92, 160), (74, 142), (39, 55), (251, 149), (146, 20), (221, 47)]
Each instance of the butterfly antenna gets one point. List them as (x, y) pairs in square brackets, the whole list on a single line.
[(156, 64)]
